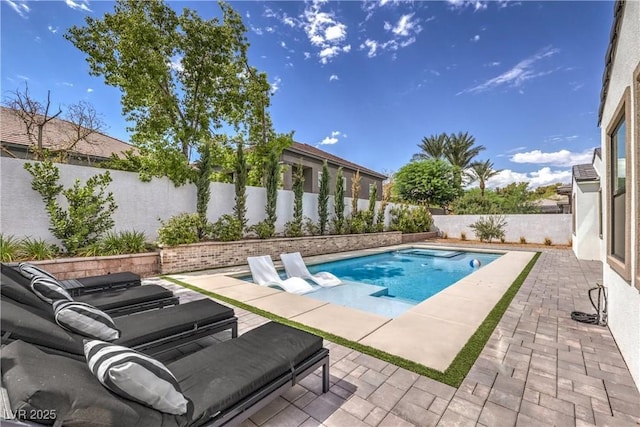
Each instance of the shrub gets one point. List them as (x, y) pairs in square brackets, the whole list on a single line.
[(463, 236), (263, 229), (523, 240), (310, 227), (323, 199), (88, 215), (358, 222), (502, 239), (227, 228), (410, 220), (179, 229), (37, 249), (489, 228), (9, 248), (547, 241), (445, 236), (123, 242)]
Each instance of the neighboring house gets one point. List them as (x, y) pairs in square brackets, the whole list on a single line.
[(619, 120), (586, 204), (58, 136), (312, 159)]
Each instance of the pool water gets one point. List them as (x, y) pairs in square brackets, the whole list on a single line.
[(411, 275)]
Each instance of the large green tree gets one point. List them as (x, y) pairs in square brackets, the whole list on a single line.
[(323, 199), (458, 149), (432, 147), (183, 79), (481, 172), (432, 182)]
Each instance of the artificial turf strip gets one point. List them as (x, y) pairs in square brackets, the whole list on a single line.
[(453, 375)]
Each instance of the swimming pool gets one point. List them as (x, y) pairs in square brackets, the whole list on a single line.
[(410, 275)]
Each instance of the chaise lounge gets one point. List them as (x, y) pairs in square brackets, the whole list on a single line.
[(265, 274), (295, 267), (224, 384)]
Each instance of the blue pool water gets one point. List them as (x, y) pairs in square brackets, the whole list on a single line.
[(411, 275)]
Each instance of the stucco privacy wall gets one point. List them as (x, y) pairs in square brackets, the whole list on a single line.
[(586, 240), (140, 204), (623, 296), (534, 228)]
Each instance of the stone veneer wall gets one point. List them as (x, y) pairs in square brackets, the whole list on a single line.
[(147, 264), (418, 237), (200, 256)]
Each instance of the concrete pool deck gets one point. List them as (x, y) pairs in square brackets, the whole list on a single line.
[(446, 320)]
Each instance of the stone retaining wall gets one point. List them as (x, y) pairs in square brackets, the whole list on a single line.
[(201, 256), (147, 264), (419, 237)]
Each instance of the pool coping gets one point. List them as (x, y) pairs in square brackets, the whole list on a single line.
[(431, 333)]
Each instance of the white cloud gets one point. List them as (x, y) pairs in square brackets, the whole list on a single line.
[(576, 86), (269, 29), (20, 7), (474, 4), (329, 140), (287, 20), (307, 55), (324, 31), (257, 30), (558, 158), (89, 90), (492, 64), (333, 77), (67, 84), (372, 45), (405, 26), (52, 29), (78, 5), (335, 133), (475, 38), (283, 44), (275, 84), (541, 177), (22, 77), (176, 64), (516, 76)]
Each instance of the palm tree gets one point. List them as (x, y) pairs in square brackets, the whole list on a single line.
[(481, 172), (432, 147), (460, 151)]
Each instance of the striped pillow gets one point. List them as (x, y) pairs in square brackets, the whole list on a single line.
[(49, 290), (30, 271), (85, 319), (135, 376)]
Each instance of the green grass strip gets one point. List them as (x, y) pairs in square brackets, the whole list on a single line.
[(453, 375)]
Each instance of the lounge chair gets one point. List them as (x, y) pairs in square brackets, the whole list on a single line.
[(224, 383), (153, 332), (115, 301), (295, 267), (264, 273), (84, 285)]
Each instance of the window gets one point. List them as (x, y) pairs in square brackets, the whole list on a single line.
[(618, 193), (618, 190)]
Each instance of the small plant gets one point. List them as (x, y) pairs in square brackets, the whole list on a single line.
[(523, 240), (445, 236), (463, 236), (502, 239), (293, 229), (9, 248), (37, 249), (263, 229), (180, 229), (227, 228), (310, 227), (489, 228), (123, 242), (547, 241), (410, 220)]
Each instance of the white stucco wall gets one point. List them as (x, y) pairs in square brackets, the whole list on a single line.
[(624, 297), (534, 228), (140, 205), (586, 240)]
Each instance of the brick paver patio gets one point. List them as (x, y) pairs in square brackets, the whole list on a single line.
[(538, 368)]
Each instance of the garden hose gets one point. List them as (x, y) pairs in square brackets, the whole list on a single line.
[(599, 317)]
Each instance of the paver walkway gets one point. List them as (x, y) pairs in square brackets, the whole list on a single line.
[(538, 368)]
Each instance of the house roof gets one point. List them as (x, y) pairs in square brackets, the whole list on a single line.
[(596, 152), (618, 10), (312, 151), (585, 172), (56, 133)]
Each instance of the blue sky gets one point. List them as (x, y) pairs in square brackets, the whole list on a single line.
[(368, 80)]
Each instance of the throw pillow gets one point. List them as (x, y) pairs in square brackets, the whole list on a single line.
[(85, 319), (49, 290)]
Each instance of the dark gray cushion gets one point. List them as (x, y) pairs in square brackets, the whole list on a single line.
[(125, 278), (116, 298), (57, 387), (221, 375), (17, 291)]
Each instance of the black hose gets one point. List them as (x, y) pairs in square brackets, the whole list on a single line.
[(600, 316)]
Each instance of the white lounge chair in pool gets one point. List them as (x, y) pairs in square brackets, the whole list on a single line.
[(264, 273), (295, 267)]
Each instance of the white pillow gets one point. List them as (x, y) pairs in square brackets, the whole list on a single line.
[(135, 376), (49, 290)]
